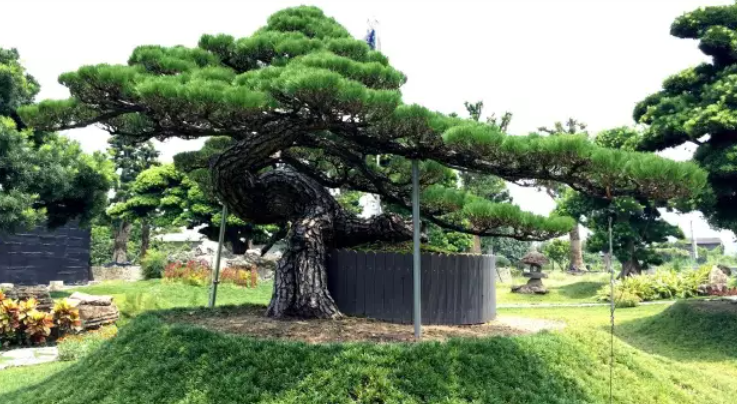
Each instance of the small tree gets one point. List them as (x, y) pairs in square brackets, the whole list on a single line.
[(637, 224), (130, 160), (307, 108), (557, 250)]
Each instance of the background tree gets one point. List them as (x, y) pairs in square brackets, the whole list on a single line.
[(309, 108), (489, 187), (558, 251), (166, 197), (44, 178), (638, 226), (130, 160), (556, 191), (697, 105), (509, 248)]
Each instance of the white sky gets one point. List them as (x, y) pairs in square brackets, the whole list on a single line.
[(542, 60)]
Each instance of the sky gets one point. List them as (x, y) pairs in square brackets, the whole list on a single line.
[(544, 60)]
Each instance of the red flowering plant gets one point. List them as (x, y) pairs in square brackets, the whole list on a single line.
[(193, 272)]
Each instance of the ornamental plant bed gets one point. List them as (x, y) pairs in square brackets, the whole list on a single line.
[(252, 321)]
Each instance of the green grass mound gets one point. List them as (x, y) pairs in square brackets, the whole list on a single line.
[(152, 361), (706, 327)]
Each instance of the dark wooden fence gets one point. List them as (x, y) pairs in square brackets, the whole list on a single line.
[(456, 289), (39, 256)]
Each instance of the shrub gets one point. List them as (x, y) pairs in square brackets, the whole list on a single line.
[(246, 277), (502, 261), (626, 299), (663, 284), (75, 347), (21, 323), (153, 264), (66, 317), (193, 272)]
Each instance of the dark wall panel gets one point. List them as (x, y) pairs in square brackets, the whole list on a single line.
[(39, 256), (456, 289)]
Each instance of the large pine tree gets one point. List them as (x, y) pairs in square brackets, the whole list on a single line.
[(699, 106), (309, 107)]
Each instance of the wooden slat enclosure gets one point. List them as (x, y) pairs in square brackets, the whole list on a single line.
[(39, 256), (456, 289)]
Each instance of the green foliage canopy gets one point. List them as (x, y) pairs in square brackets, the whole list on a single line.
[(698, 105), (302, 93), (44, 177)]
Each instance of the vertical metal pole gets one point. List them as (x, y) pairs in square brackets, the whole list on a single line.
[(611, 313), (216, 270), (694, 249), (417, 290)]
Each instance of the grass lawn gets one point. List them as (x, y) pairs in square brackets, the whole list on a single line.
[(563, 288), (134, 298), (676, 354)]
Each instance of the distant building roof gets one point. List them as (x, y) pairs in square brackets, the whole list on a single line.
[(707, 241)]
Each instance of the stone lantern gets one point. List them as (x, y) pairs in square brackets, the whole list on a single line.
[(535, 285)]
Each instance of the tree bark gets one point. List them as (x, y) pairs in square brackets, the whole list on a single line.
[(120, 242), (631, 267), (476, 247), (576, 254), (145, 237), (318, 222)]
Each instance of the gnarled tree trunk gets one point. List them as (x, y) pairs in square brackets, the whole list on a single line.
[(576, 254), (318, 223), (120, 242)]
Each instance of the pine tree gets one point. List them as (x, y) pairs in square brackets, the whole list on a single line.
[(557, 190), (166, 196), (308, 108), (489, 187), (130, 160), (637, 226), (697, 106)]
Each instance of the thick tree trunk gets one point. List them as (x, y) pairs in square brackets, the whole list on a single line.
[(300, 281), (318, 222), (631, 267), (120, 242), (476, 247), (576, 254), (145, 237)]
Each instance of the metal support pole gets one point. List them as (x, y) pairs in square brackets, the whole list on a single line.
[(216, 270), (611, 313), (694, 249), (417, 285)]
